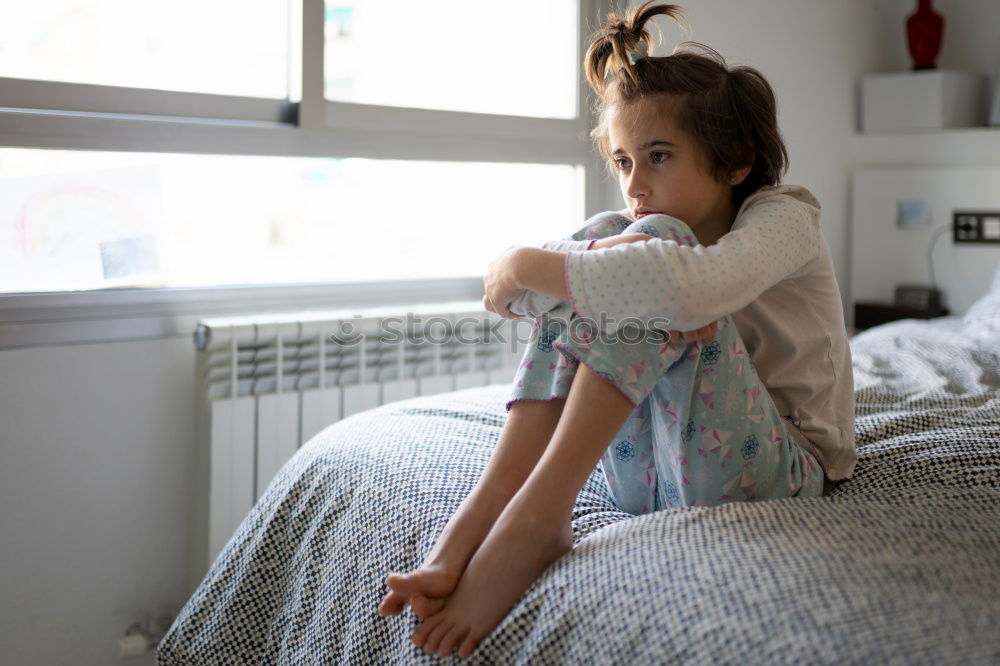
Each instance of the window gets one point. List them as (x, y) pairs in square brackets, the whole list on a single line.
[(181, 45), (524, 64), (90, 220), (233, 142)]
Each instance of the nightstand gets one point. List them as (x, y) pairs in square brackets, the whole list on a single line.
[(867, 315)]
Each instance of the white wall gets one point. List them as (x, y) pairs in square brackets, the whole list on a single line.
[(96, 454), (885, 255)]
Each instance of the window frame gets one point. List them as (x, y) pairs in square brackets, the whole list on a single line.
[(75, 116)]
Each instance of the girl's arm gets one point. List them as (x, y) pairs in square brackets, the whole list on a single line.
[(519, 268), (524, 267), (775, 237), (542, 270)]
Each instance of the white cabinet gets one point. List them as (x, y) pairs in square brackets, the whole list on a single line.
[(934, 99)]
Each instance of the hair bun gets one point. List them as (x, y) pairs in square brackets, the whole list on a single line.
[(618, 47)]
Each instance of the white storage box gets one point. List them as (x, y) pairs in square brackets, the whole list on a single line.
[(922, 100)]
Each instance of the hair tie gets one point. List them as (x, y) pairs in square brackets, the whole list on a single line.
[(638, 53)]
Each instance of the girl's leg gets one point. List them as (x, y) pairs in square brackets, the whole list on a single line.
[(724, 440), (540, 388), (675, 449), (612, 379), (539, 391), (637, 492), (634, 361), (709, 432), (527, 430), (546, 374), (534, 529)]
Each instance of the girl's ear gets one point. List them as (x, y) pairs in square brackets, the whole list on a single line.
[(740, 175)]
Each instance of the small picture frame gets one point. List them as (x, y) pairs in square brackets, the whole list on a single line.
[(913, 213)]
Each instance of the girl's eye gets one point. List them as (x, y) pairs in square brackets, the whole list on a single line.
[(659, 157), (622, 163)]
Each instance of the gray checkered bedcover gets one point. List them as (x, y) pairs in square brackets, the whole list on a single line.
[(901, 564)]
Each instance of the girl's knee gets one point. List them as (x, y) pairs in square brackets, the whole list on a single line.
[(663, 226), (604, 225)]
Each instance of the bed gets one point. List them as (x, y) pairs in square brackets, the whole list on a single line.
[(900, 564)]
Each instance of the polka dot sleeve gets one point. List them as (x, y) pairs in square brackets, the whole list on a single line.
[(774, 236)]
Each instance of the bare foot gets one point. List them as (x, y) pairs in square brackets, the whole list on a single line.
[(518, 549), (426, 588)]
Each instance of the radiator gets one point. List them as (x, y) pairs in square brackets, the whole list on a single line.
[(267, 384)]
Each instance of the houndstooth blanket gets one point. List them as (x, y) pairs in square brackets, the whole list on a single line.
[(901, 564)]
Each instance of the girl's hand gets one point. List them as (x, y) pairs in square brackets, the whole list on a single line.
[(705, 334), (499, 285), (611, 241)]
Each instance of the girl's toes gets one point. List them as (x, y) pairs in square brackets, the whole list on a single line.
[(425, 606), (392, 604), (434, 638), (401, 583), (420, 634), (451, 640), (468, 646)]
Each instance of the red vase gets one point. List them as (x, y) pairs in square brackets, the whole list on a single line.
[(924, 28)]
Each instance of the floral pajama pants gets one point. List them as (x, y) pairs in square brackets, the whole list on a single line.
[(704, 430)]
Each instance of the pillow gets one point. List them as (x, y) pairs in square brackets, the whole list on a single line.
[(984, 314)]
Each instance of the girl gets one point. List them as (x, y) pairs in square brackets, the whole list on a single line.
[(765, 409)]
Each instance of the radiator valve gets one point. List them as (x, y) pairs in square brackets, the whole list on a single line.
[(139, 640)]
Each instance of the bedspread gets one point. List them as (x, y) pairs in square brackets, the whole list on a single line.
[(900, 564)]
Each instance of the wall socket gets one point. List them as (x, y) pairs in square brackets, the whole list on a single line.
[(975, 226)]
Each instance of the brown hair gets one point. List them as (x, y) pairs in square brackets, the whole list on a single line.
[(731, 113)]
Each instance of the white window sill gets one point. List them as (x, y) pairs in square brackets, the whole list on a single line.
[(60, 318)]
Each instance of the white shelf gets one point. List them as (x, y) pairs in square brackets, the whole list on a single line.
[(931, 98), (966, 146)]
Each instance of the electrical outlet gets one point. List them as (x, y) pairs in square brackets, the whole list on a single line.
[(976, 226)]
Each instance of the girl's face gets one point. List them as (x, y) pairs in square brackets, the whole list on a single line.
[(661, 169)]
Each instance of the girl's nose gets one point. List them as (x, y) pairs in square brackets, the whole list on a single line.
[(637, 185)]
